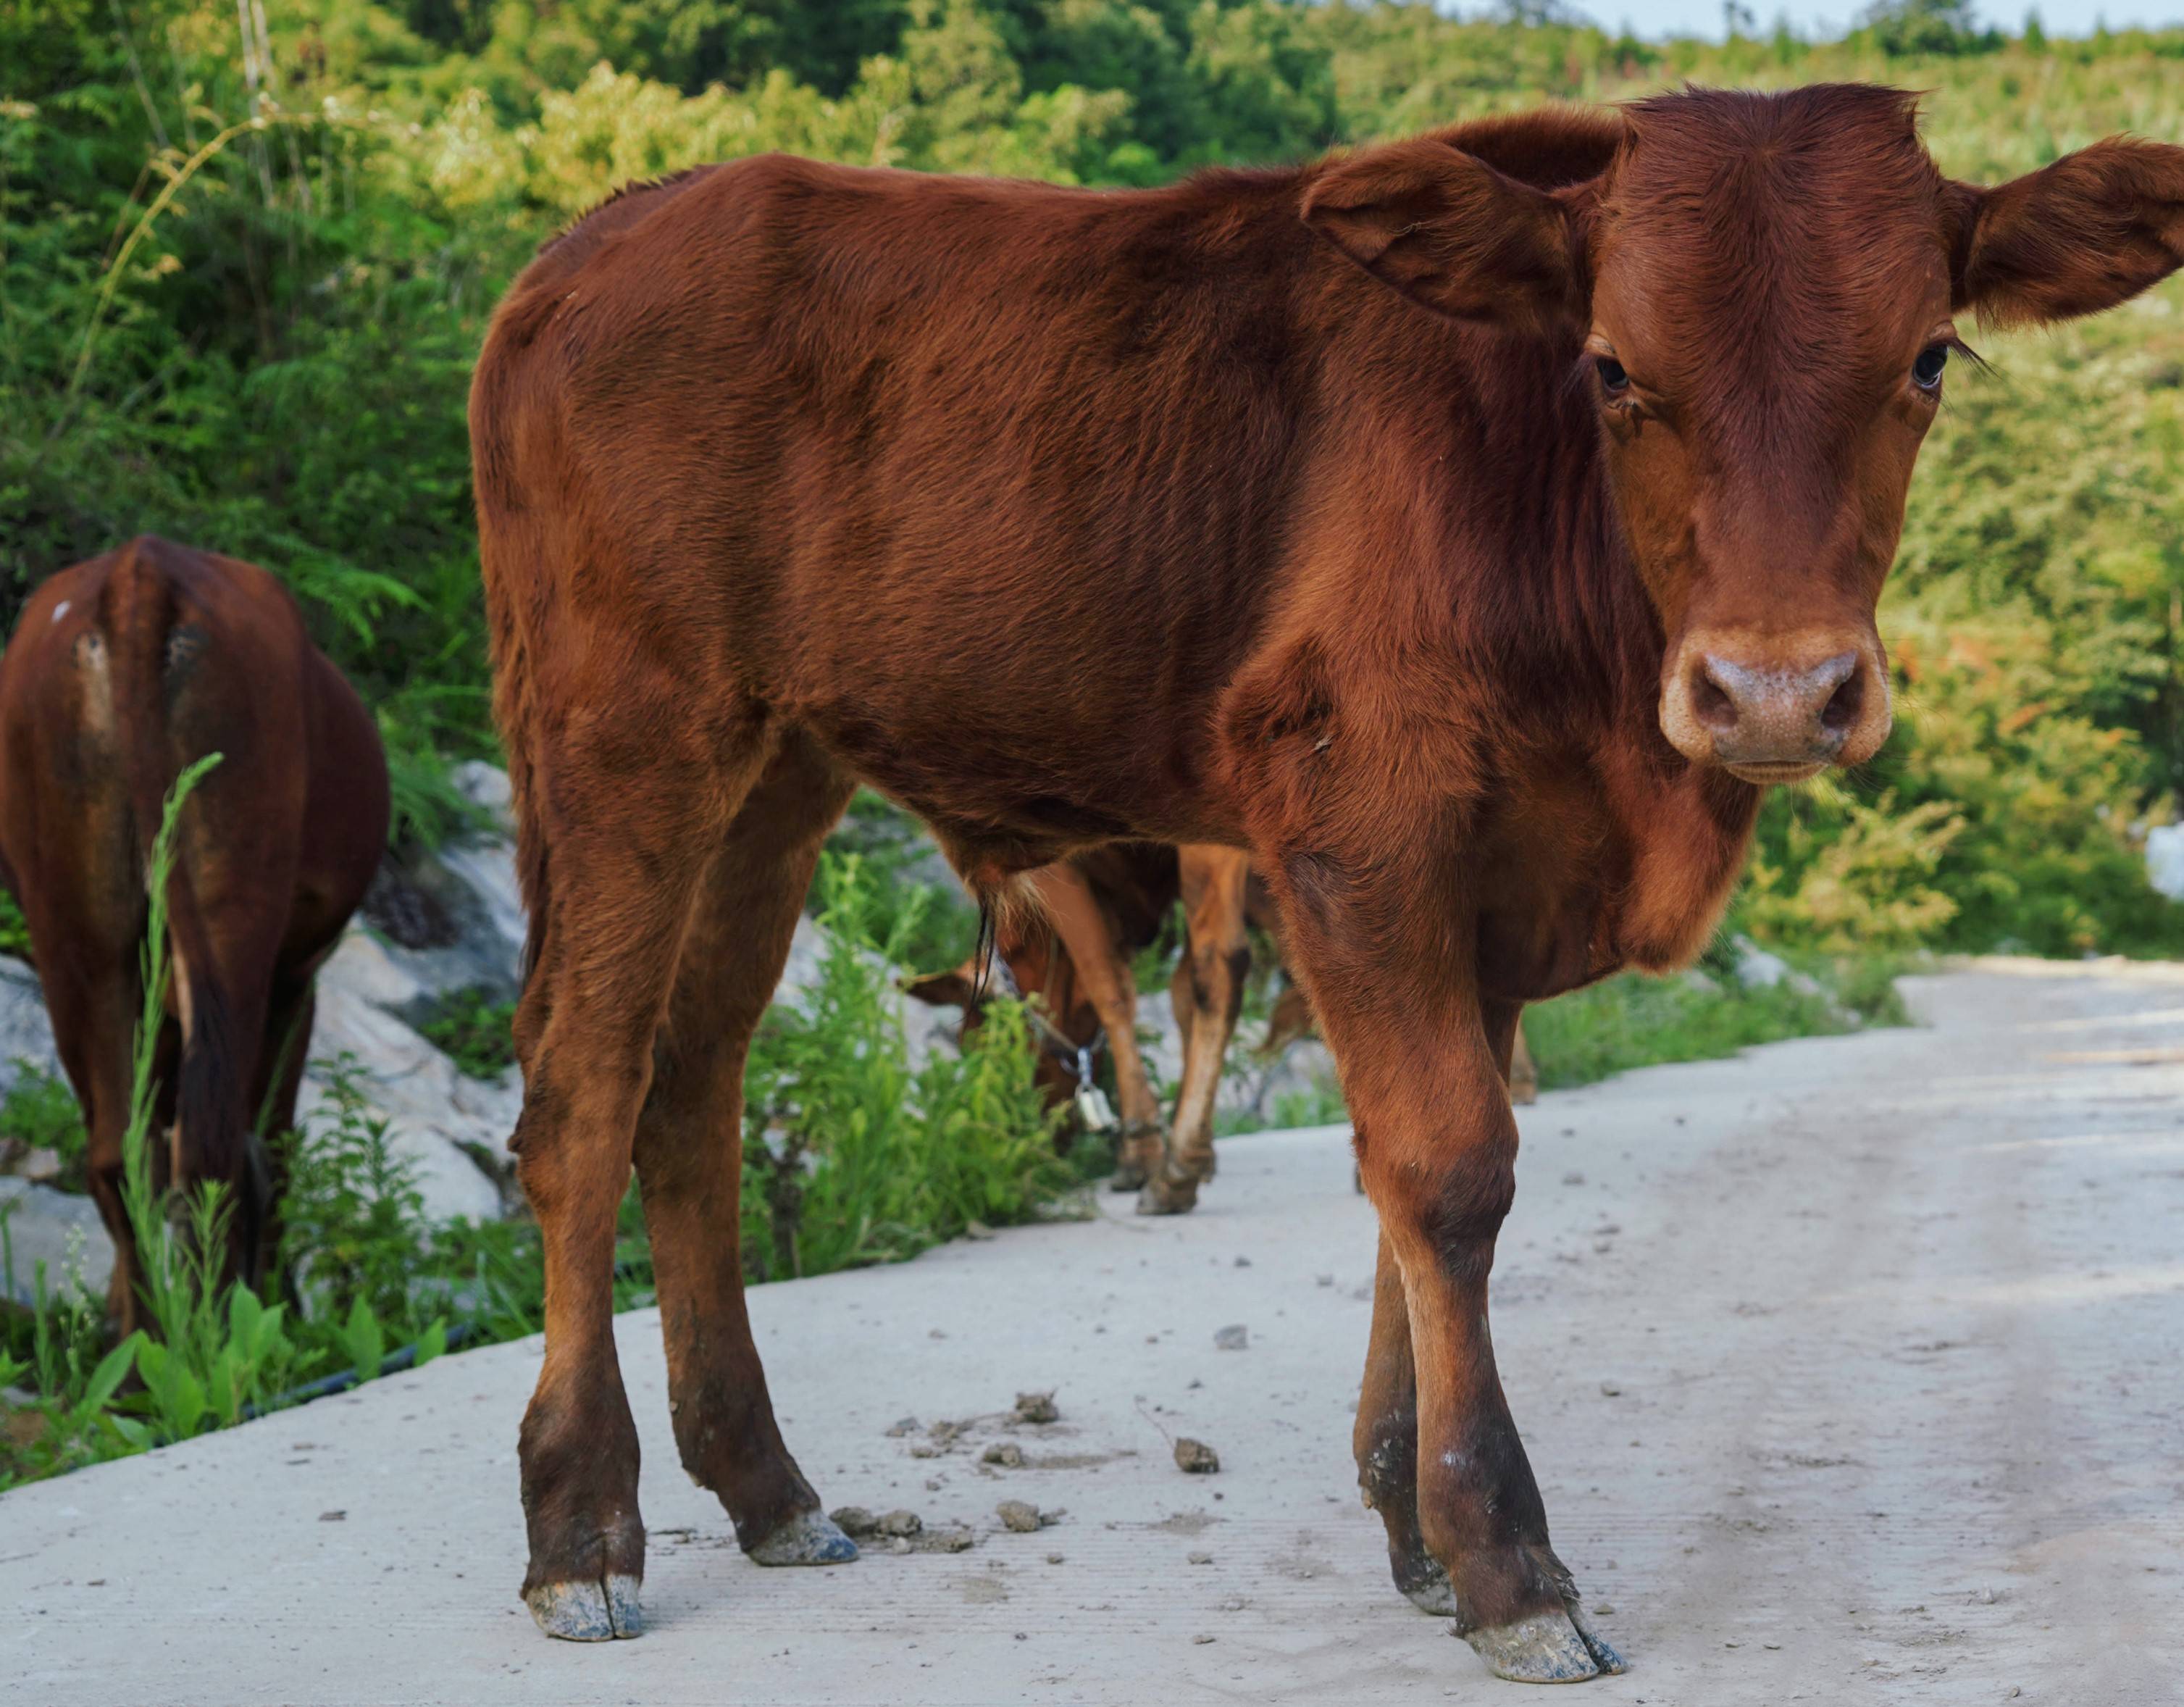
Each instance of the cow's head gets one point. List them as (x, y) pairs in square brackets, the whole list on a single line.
[(1766, 290)]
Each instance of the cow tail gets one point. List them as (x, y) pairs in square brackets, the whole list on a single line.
[(212, 1134), (511, 550)]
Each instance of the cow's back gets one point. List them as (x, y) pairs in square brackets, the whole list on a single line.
[(125, 670), (876, 448)]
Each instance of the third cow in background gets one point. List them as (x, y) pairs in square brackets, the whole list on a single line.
[(124, 672), (1072, 961)]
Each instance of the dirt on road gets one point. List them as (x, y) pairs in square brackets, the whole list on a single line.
[(1850, 1368)]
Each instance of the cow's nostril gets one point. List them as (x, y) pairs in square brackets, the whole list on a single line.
[(1842, 708), (1710, 702)]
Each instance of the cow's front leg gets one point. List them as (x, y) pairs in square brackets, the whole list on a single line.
[(1437, 1147)]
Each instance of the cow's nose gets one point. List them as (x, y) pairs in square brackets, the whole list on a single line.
[(1765, 717)]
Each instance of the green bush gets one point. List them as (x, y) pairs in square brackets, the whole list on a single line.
[(852, 1155), (40, 1111), (474, 1028)]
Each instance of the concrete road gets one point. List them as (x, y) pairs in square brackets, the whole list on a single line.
[(1850, 1369)]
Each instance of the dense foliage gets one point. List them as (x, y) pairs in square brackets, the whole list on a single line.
[(249, 253)]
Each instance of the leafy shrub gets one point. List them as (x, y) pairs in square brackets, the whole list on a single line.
[(852, 1155), (40, 1111), (14, 929), (474, 1029), (354, 1234)]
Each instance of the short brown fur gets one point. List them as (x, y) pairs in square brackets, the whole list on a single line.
[(1467, 528), (123, 671)]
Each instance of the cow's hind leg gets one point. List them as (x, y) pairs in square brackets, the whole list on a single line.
[(94, 1023), (1207, 993), (689, 1162), (633, 801), (1386, 1440)]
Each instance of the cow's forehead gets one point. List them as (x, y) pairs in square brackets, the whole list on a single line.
[(1792, 242)]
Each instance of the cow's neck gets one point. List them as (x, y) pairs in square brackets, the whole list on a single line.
[(1558, 620)]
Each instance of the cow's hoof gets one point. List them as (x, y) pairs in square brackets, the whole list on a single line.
[(1543, 1649), (1426, 1585), (809, 1538), (587, 1611), (1171, 1194), (1128, 1177), (1605, 1657), (1199, 1164)]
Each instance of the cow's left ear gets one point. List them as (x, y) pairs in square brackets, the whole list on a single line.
[(2091, 231), (1450, 232)]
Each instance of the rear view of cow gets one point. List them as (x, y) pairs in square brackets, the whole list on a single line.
[(123, 672)]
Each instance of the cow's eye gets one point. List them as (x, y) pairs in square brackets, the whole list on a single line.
[(1612, 379), (1927, 372)]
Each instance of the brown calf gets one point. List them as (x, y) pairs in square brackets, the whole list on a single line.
[(1469, 527), (123, 671)]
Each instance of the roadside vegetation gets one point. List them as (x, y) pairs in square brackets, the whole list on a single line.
[(853, 1154)]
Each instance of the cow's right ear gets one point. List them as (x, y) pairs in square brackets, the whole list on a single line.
[(1451, 233), (2079, 235)]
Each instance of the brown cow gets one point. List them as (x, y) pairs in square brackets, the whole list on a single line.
[(1470, 527), (1103, 907), (1096, 911), (123, 671)]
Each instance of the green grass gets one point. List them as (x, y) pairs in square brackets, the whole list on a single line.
[(1631, 1021), (854, 1155), (472, 1029), (40, 1111)]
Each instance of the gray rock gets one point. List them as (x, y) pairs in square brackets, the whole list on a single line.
[(1018, 1515), (25, 1032), (1236, 1337), (1756, 968), (1037, 1408), (40, 1166), (58, 1229), (2164, 860)]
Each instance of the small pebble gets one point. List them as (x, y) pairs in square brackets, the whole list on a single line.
[(1325, 1279), (1196, 1458), (1018, 1515), (1006, 1453), (1243, 1262), (956, 1539), (333, 1517), (1054, 1559), (1610, 1388), (906, 1426), (854, 1520), (1236, 1337), (1202, 1559), (1037, 1408), (1202, 1640), (900, 1523)]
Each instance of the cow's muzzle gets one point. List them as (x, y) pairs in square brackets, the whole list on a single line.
[(1775, 713)]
